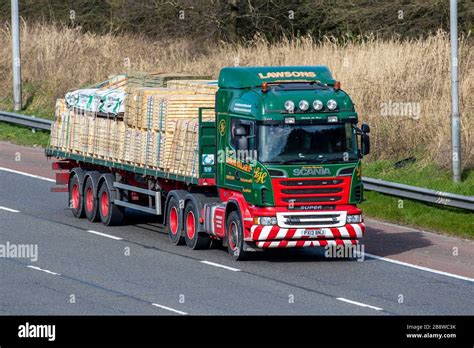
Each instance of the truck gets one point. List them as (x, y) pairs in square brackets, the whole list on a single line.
[(278, 167)]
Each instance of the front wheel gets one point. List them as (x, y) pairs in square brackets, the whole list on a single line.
[(110, 214), (235, 237)]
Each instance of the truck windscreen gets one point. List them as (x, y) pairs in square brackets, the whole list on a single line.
[(299, 143)]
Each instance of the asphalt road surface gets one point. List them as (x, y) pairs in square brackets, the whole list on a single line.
[(89, 268)]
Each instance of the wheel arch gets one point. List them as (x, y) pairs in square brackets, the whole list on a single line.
[(239, 204), (200, 200), (180, 195), (80, 173), (95, 177), (108, 179)]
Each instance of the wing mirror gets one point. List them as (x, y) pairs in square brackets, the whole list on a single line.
[(365, 128)]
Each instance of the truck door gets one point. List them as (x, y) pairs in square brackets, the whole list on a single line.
[(237, 161)]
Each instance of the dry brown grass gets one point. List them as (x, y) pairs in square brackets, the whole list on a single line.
[(372, 72)]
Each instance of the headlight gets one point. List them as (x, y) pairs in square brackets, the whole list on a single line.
[(289, 106), (303, 105), (332, 104), (354, 219), (265, 220), (318, 105)]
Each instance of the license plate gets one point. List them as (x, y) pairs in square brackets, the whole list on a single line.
[(312, 233)]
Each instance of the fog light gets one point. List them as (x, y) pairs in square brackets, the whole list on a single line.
[(266, 220), (289, 120), (354, 219), (332, 119)]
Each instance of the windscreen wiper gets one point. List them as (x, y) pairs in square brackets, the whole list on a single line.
[(299, 160), (336, 160)]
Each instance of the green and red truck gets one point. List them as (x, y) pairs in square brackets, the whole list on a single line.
[(280, 167)]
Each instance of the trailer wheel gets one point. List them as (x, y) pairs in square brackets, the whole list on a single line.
[(235, 237), (75, 199), (173, 222), (90, 202), (110, 214), (194, 239)]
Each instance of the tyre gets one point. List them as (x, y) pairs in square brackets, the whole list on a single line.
[(194, 239), (110, 214), (235, 237), (90, 202), (173, 222), (75, 199)]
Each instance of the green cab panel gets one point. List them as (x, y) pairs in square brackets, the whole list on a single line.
[(248, 77)]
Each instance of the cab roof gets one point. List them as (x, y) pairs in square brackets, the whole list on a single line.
[(248, 77)]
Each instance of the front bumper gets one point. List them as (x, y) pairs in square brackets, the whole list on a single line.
[(278, 237)]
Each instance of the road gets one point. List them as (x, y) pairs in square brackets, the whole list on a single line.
[(88, 268)]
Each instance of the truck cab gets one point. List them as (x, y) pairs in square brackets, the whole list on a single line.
[(288, 158)]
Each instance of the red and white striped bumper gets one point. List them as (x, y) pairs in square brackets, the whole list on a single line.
[(278, 237)]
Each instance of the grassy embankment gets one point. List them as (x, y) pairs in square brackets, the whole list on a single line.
[(412, 213)]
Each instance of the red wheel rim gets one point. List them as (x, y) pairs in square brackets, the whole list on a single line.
[(174, 220), (190, 225), (104, 203), (233, 235), (89, 200), (75, 196)]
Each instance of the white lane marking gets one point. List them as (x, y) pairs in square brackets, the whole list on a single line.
[(43, 270), (221, 266), (359, 303), (169, 309), (27, 174), (9, 209), (421, 268), (104, 235)]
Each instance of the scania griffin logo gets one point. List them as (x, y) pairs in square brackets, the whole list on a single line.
[(311, 171)]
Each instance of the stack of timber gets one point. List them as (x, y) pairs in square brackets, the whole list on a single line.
[(158, 128)]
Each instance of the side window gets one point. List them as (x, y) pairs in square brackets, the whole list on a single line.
[(249, 129)]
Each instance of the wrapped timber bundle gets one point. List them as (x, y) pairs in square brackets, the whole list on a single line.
[(149, 120)]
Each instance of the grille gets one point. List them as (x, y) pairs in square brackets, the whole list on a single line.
[(312, 191), (311, 199), (311, 182), (303, 192)]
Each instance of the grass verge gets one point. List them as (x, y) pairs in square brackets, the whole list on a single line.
[(428, 217), (403, 211), (23, 135)]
